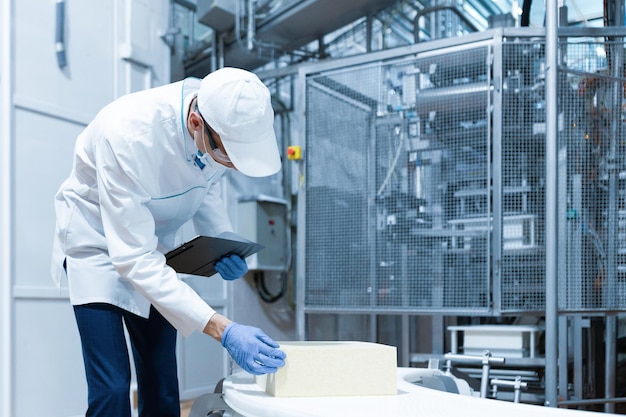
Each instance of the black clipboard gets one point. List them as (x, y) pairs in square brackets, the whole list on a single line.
[(199, 255)]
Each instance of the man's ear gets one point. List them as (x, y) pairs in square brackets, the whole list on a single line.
[(195, 120)]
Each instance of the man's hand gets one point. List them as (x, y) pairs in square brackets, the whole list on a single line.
[(231, 267), (252, 349)]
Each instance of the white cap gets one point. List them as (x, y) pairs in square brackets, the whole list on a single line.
[(238, 106)]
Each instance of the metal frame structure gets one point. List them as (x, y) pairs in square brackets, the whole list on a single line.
[(557, 305)]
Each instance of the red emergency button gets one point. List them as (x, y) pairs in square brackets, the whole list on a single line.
[(294, 152)]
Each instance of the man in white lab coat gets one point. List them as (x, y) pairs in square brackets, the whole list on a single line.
[(148, 163)]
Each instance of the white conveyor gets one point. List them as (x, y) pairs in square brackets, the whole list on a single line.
[(246, 398)]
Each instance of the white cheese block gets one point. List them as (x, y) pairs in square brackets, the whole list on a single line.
[(325, 369)]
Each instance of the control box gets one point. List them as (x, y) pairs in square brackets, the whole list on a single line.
[(264, 220)]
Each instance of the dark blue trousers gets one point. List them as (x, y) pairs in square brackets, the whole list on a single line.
[(107, 363)]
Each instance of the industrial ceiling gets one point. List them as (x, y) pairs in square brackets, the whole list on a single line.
[(289, 27), (286, 25)]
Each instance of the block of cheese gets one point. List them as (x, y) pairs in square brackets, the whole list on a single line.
[(325, 369)]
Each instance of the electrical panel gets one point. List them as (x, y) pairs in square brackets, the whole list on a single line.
[(264, 221)]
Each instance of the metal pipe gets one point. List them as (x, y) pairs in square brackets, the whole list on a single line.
[(594, 401), (368, 33), (494, 143), (220, 51), (579, 383), (213, 59), (299, 103), (472, 359), (405, 344), (517, 386), (484, 379), (238, 16), (59, 41), (405, 348), (551, 204), (562, 366), (518, 391), (610, 352), (486, 360), (251, 33), (610, 293)]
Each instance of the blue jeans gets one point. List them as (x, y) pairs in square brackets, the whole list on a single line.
[(107, 363)]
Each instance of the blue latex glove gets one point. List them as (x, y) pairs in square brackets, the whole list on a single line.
[(252, 349), (231, 267)]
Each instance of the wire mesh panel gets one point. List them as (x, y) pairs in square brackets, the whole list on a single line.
[(591, 96), (398, 211), (521, 211), (591, 173), (339, 259)]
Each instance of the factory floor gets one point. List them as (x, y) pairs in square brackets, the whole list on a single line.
[(185, 408)]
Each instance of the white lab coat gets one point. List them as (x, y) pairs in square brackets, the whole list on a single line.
[(133, 184)]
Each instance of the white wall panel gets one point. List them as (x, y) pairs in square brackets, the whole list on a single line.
[(48, 360), (50, 107), (43, 151), (6, 190), (86, 84), (148, 21), (145, 59)]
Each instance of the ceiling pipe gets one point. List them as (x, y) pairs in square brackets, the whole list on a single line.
[(251, 33), (526, 13)]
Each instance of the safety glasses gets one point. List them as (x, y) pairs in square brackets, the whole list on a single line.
[(218, 152)]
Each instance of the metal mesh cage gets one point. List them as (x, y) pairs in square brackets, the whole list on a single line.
[(425, 180)]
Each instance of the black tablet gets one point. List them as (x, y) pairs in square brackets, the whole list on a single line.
[(199, 255)]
